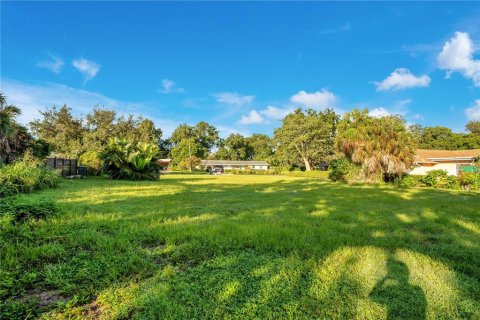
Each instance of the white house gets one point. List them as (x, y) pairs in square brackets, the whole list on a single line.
[(233, 164), (448, 160)]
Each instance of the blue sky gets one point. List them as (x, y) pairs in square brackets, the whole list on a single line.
[(242, 66)]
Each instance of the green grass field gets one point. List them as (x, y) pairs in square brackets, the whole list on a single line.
[(244, 247)]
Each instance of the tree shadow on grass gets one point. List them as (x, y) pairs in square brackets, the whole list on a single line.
[(201, 220), (403, 300)]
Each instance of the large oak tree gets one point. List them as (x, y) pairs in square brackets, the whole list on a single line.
[(307, 136)]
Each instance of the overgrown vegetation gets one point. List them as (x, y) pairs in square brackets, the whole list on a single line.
[(124, 160), (23, 177), (270, 247), (11, 212), (381, 146), (91, 159), (444, 138)]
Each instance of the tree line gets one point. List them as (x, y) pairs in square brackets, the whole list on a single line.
[(304, 139)]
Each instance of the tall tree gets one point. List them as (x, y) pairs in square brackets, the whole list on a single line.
[(380, 145), (237, 147), (61, 130), (204, 135), (437, 138), (445, 138), (261, 146), (100, 127), (307, 136), (14, 138), (474, 127), (70, 136), (185, 150)]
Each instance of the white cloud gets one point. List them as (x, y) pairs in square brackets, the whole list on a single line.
[(33, 97), (473, 113), (317, 100), (252, 118), (233, 98), (54, 64), (418, 116), (379, 112), (225, 131), (457, 56), (276, 113), (399, 107), (88, 68), (168, 86), (402, 78)]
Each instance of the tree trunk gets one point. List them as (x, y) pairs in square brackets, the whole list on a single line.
[(307, 164)]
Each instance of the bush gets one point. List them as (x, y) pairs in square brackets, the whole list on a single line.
[(92, 161), (440, 179), (22, 212), (469, 180), (123, 160), (409, 181), (343, 170), (21, 177), (247, 171), (309, 174)]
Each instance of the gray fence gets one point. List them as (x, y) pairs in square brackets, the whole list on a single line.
[(68, 167)]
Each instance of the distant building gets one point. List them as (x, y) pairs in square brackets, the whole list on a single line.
[(222, 165), (452, 161), (164, 163)]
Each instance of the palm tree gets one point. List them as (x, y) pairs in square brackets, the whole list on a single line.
[(11, 133), (381, 146)]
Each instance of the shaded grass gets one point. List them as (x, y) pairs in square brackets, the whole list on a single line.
[(245, 247)]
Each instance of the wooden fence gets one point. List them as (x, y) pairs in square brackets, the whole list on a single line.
[(68, 167)]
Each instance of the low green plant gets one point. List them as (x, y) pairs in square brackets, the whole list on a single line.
[(308, 174), (124, 160), (408, 181), (18, 212), (23, 177), (92, 161)]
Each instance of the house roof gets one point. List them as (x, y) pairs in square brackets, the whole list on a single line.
[(432, 156), (234, 163)]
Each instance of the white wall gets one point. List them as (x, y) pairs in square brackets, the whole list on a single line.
[(451, 169), (257, 167)]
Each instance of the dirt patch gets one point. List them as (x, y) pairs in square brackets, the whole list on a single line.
[(45, 298), (92, 311)]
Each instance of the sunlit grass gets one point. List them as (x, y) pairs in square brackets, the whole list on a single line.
[(245, 247)]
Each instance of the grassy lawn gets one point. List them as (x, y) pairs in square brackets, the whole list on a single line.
[(243, 247)]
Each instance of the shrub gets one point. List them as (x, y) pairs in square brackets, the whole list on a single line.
[(408, 181), (247, 171), (440, 179), (92, 161), (21, 177), (123, 160), (22, 212), (343, 170), (309, 174), (469, 180)]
